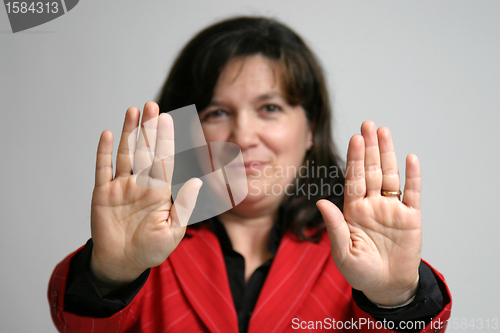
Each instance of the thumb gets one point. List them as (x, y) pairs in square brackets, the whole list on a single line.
[(185, 201), (338, 231)]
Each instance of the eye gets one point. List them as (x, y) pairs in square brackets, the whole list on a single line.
[(271, 108), (214, 115)]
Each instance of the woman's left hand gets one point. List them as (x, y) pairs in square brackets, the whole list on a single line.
[(376, 242)]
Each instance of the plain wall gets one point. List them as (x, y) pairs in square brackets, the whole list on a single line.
[(428, 70)]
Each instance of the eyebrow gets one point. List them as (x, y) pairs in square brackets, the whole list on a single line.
[(268, 96), (259, 98)]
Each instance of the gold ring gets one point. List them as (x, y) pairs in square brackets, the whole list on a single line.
[(391, 193)]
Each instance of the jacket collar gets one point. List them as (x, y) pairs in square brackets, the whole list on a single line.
[(293, 273), (198, 263)]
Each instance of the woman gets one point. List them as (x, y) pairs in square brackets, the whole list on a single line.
[(269, 264)]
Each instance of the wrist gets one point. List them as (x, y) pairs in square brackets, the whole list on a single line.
[(111, 277), (382, 306), (393, 298)]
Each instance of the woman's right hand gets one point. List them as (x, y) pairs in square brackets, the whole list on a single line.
[(137, 227)]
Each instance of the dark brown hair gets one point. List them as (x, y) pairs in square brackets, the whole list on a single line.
[(195, 73)]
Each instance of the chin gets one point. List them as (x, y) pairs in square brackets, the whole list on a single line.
[(252, 198), (258, 201)]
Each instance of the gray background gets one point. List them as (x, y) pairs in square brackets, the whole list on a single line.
[(429, 70)]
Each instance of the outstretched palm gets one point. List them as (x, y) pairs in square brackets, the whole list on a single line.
[(136, 227), (376, 242)]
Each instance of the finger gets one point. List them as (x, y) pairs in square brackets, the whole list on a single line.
[(355, 185), (144, 151), (186, 200), (126, 148), (163, 166), (373, 171), (337, 228), (390, 172), (104, 160), (413, 184)]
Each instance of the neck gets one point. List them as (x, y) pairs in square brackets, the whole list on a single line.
[(250, 238)]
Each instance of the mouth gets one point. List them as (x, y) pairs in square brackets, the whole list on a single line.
[(253, 166), (250, 167)]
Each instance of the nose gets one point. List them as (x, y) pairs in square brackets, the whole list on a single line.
[(245, 130)]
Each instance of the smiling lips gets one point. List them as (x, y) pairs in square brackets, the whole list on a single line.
[(253, 166)]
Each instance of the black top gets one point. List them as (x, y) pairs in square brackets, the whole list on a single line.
[(83, 297)]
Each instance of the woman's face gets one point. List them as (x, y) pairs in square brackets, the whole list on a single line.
[(248, 108)]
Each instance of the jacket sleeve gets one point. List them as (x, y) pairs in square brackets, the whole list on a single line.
[(68, 322), (367, 323), (84, 298)]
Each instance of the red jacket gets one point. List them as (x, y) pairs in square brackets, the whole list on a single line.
[(190, 292)]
